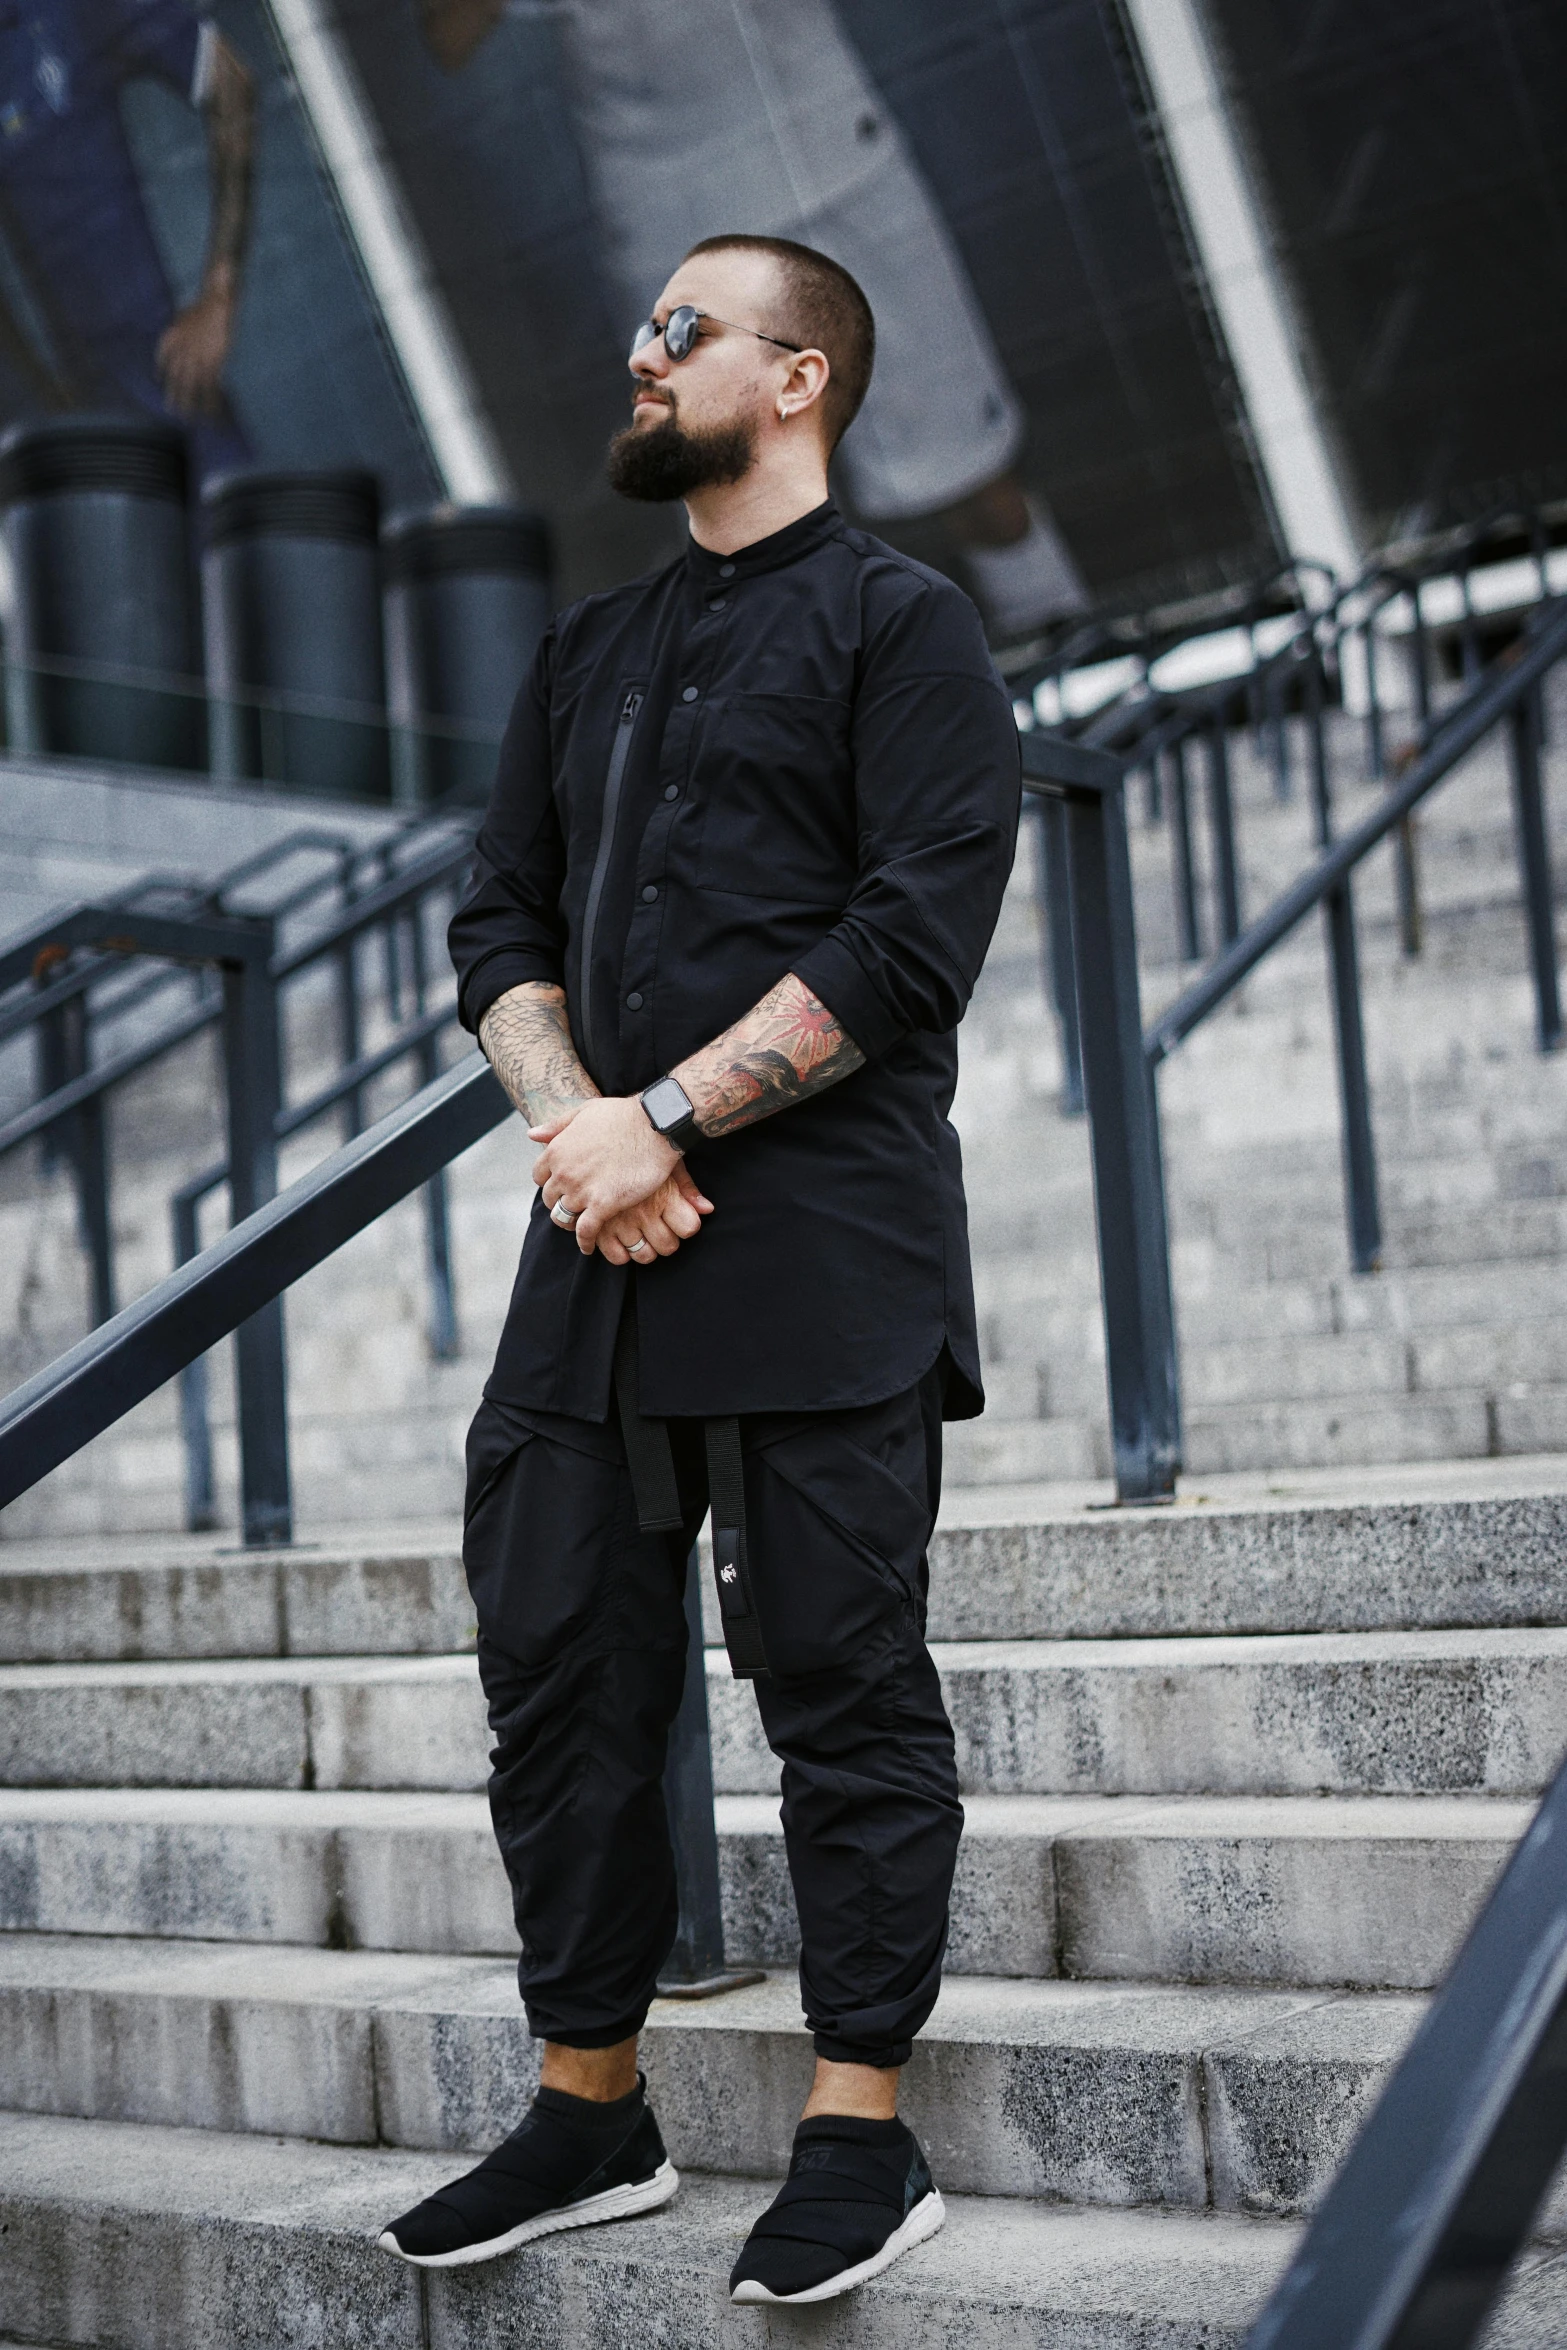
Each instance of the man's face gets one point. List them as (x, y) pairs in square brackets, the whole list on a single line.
[(695, 424)]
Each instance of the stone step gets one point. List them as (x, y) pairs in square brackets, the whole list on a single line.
[(1481, 1543), (155, 2239), (124, 2237), (1368, 1891), (1461, 1711), (1245, 2100), (1330, 1431)]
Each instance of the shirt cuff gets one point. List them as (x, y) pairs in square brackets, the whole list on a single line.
[(831, 971), (493, 974)]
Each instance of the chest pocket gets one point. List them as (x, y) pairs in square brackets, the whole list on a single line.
[(776, 783)]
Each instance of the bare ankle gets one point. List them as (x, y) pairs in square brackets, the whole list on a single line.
[(866, 2092), (601, 2074)]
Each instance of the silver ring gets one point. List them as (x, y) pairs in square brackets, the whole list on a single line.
[(632, 1246), (560, 1214)]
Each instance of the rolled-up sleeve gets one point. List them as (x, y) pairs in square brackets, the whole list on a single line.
[(937, 790), (509, 927)]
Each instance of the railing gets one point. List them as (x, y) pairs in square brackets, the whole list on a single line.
[(55, 970), (236, 1286), (1084, 851)]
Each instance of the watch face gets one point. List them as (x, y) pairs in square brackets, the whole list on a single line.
[(666, 1103)]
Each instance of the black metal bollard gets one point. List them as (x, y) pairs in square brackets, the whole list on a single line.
[(291, 604), (467, 600), (101, 645)]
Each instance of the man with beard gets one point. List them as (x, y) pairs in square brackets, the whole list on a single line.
[(747, 844)]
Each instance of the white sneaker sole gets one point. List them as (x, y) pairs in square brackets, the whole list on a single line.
[(614, 2203), (926, 2219)]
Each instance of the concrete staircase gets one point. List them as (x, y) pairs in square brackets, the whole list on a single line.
[(1237, 1775)]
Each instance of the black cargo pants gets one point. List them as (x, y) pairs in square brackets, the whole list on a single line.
[(582, 1652)]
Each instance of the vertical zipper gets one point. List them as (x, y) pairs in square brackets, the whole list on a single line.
[(625, 728)]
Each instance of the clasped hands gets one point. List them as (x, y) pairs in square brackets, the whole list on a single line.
[(624, 1184)]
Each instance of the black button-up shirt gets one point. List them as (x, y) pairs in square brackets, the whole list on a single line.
[(794, 758)]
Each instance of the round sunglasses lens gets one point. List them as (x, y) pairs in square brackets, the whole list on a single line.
[(680, 331), (646, 333)]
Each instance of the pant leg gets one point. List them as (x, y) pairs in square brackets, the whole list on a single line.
[(838, 1515), (582, 1653)]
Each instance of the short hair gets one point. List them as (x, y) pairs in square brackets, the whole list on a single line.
[(824, 310)]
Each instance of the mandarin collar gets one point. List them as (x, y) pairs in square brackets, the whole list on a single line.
[(782, 546)]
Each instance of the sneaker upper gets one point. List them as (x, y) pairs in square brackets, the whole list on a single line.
[(556, 2156), (850, 2184)]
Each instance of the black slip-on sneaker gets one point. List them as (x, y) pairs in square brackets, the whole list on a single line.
[(858, 2196), (570, 2163)]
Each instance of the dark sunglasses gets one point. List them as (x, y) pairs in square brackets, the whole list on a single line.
[(680, 335)]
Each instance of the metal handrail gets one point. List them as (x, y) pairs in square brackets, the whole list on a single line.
[(125, 1360), (1451, 738)]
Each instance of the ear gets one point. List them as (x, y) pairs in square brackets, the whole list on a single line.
[(803, 386)]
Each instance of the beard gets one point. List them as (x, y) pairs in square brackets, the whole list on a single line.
[(659, 462)]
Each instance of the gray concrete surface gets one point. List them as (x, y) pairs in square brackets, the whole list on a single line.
[(1372, 1890), (1476, 1712)]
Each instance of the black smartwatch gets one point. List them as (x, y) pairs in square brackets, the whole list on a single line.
[(670, 1113)]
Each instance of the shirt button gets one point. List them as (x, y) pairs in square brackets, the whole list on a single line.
[(649, 894), (633, 1002), (716, 603), (726, 571), (689, 695), (671, 791)]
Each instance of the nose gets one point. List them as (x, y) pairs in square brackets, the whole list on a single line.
[(651, 363)]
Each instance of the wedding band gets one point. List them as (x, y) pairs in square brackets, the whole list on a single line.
[(560, 1214), (632, 1246)]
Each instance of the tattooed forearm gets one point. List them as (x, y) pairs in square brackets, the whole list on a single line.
[(230, 111), (527, 1038), (786, 1048)]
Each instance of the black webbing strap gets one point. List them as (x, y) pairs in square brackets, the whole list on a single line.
[(726, 1492), (648, 1452)]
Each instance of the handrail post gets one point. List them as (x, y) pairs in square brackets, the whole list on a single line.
[(1338, 908), (1053, 895), (253, 1085), (1534, 859), (1134, 1249), (1221, 817), (200, 1498), (1188, 931), (695, 1967)]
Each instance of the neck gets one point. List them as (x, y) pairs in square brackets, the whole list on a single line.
[(738, 513)]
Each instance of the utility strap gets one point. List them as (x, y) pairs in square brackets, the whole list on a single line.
[(648, 1452), (731, 1570)]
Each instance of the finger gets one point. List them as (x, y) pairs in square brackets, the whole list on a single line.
[(689, 1189), (613, 1247), (590, 1223), (682, 1218), (542, 1167), (633, 1240), (551, 1127)]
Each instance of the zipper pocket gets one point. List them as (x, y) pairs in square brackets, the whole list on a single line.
[(621, 751)]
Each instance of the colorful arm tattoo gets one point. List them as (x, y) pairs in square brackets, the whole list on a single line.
[(786, 1048)]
